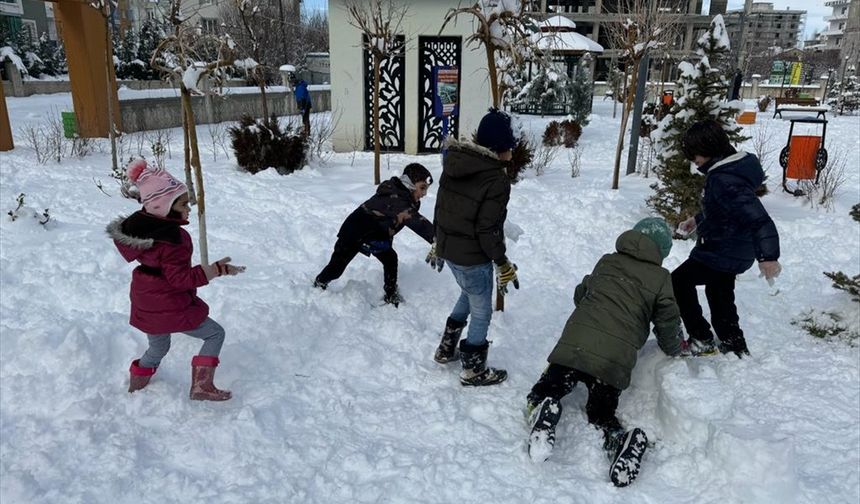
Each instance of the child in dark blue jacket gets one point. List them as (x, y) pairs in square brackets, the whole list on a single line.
[(371, 227), (733, 231)]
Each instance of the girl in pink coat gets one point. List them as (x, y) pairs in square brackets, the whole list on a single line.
[(164, 285)]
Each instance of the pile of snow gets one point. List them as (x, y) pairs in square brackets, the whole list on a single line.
[(7, 53)]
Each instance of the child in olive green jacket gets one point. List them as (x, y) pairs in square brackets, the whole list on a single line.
[(615, 307)]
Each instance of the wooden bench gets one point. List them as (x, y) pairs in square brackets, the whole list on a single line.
[(798, 105)]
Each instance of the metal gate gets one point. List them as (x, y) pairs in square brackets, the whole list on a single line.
[(435, 51), (392, 101)]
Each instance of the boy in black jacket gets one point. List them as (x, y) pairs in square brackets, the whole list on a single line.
[(371, 227), (733, 231)]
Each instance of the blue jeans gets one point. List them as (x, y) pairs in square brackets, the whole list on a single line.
[(476, 298)]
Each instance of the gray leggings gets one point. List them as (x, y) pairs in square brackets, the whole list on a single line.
[(209, 331)]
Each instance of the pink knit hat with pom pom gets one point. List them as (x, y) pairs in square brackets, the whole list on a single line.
[(158, 189)]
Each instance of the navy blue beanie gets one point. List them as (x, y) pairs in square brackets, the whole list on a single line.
[(495, 132)]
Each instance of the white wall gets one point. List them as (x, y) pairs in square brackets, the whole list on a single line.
[(347, 75)]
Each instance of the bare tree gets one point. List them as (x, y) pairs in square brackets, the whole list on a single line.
[(505, 33), (179, 57), (252, 22), (380, 23), (640, 26)]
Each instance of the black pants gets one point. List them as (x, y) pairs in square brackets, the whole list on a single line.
[(345, 251), (720, 291), (557, 381)]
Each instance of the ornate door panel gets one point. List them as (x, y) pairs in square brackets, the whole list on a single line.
[(392, 101), (435, 51)]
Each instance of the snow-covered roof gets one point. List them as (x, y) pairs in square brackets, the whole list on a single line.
[(557, 23), (287, 68), (566, 42)]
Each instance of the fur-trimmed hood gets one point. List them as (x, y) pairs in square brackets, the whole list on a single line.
[(137, 233), (466, 158)]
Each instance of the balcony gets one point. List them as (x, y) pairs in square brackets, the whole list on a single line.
[(835, 3), (836, 17), (831, 32)]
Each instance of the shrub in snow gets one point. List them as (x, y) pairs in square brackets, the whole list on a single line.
[(521, 157), (828, 325), (763, 103), (23, 212), (566, 132), (258, 145), (841, 281), (699, 96)]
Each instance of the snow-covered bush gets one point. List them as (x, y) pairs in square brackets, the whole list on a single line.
[(763, 103), (35, 58), (26, 213), (822, 193), (259, 145), (700, 90)]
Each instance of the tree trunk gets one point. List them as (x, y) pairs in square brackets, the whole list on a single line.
[(110, 86), (494, 79), (191, 131), (186, 147), (377, 147), (261, 81), (625, 116)]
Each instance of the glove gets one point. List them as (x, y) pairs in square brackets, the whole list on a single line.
[(685, 349), (433, 260), (505, 274), (686, 227), (222, 267), (769, 270)]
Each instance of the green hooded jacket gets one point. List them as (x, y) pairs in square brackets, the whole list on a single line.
[(615, 306)]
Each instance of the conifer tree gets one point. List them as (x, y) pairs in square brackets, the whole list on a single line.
[(699, 93), (580, 92), (845, 96)]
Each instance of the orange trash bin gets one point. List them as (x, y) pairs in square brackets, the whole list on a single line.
[(801, 157)]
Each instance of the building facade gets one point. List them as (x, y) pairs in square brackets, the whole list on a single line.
[(834, 35), (35, 16), (593, 18), (767, 29)]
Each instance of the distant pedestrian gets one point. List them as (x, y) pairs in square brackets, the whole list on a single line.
[(164, 285), (303, 102)]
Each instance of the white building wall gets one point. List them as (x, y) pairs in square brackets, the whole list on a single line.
[(347, 74)]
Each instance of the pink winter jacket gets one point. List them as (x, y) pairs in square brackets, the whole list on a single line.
[(164, 286)]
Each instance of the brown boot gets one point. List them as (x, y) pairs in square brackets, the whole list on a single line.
[(202, 374), (138, 376)]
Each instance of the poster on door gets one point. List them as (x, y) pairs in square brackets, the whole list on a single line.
[(446, 84)]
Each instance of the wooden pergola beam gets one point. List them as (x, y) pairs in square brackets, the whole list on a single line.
[(84, 34)]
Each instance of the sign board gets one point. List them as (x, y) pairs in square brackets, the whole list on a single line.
[(796, 73), (778, 73), (446, 91)]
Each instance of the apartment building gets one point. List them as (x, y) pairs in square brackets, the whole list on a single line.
[(593, 17), (768, 29), (35, 16)]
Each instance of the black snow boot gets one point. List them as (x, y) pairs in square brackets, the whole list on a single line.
[(734, 342), (393, 297), (702, 344), (543, 420), (447, 349), (625, 450), (475, 371), (319, 284)]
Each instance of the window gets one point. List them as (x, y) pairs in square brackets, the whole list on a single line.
[(29, 26), (209, 25)]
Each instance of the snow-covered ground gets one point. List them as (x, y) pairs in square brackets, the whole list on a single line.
[(336, 401)]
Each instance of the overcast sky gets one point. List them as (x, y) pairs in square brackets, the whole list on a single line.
[(815, 10)]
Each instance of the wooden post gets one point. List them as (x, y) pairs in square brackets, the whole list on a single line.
[(6, 143), (84, 36)]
